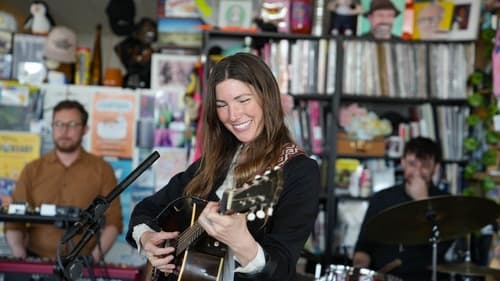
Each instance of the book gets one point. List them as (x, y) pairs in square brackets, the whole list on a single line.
[(347, 172), (322, 66), (5, 66), (331, 67), (315, 126)]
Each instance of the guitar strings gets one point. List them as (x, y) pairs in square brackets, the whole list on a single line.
[(187, 237), (193, 232)]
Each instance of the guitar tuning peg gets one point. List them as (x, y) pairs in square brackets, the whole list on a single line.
[(251, 216), (270, 211), (267, 172), (258, 177), (261, 214), (276, 167)]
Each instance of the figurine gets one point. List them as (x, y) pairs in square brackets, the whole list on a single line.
[(135, 53), (39, 21), (344, 15), (273, 16)]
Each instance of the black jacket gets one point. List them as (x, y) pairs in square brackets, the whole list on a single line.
[(282, 237)]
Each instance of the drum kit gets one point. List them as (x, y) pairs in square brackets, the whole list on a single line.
[(347, 273), (426, 221)]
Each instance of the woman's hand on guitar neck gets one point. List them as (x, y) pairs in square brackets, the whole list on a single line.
[(231, 230), (153, 248)]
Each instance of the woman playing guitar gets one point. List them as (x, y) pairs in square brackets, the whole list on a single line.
[(243, 135)]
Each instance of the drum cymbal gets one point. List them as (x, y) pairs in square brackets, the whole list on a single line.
[(468, 269), (411, 223)]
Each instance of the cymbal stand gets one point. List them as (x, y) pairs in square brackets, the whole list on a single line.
[(317, 272), (431, 216), (467, 256)]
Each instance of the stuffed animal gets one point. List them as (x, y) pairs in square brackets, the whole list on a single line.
[(344, 16), (39, 21)]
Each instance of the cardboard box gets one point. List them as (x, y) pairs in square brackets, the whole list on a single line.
[(347, 146)]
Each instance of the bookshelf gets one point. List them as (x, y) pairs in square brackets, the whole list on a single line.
[(336, 71), (412, 81)]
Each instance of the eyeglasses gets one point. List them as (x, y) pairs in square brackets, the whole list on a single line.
[(69, 125), (434, 20)]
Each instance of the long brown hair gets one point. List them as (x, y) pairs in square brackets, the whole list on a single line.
[(219, 144)]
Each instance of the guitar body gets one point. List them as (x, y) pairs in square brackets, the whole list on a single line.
[(194, 266), (200, 266), (202, 261)]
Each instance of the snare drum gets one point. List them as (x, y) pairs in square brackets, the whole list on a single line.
[(347, 273)]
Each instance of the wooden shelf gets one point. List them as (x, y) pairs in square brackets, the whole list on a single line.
[(312, 96), (482, 175), (398, 100)]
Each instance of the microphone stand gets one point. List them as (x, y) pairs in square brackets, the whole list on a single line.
[(69, 267)]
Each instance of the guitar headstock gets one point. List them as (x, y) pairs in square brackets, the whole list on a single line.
[(257, 197)]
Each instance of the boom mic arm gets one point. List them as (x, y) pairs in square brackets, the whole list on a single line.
[(100, 204), (90, 219)]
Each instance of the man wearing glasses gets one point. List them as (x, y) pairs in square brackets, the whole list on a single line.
[(428, 20), (66, 176)]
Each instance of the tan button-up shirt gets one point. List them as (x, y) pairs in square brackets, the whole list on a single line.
[(47, 180)]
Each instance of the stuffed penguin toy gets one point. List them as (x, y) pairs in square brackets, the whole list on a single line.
[(39, 21)]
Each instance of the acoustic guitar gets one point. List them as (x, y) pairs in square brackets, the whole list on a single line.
[(203, 259)]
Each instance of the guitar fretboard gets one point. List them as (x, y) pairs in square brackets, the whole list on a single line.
[(187, 237)]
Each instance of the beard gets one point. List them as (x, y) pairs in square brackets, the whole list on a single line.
[(382, 31), (66, 146)]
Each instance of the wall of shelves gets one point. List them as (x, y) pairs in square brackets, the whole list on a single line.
[(336, 66)]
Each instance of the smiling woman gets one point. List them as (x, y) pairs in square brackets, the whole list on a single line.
[(244, 137), (239, 109)]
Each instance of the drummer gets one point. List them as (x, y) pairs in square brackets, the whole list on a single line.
[(420, 161)]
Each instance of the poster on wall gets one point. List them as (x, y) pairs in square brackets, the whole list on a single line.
[(465, 20), (174, 80), (16, 151), (369, 23), (235, 13), (145, 122), (14, 106), (432, 20), (122, 169), (169, 119), (172, 161), (169, 70), (113, 124), (180, 32)]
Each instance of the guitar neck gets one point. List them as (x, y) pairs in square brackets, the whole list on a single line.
[(263, 192), (187, 237)]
